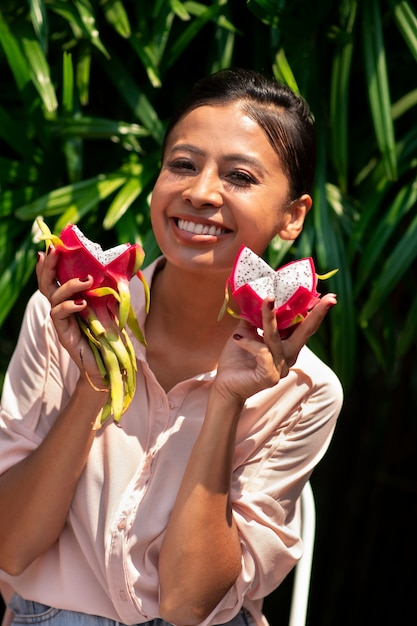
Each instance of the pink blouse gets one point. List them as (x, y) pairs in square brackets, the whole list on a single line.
[(105, 561)]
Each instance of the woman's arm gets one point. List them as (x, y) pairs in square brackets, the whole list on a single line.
[(201, 555), (36, 493)]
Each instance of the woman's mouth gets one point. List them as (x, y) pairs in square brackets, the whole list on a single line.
[(200, 229)]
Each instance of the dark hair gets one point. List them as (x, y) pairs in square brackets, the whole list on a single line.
[(284, 117)]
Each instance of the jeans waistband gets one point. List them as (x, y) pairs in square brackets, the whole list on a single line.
[(28, 612)]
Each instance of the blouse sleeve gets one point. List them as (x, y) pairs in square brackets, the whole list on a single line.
[(283, 434), (36, 384)]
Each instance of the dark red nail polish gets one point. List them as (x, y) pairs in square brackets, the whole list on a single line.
[(79, 302), (85, 279), (237, 336), (271, 305)]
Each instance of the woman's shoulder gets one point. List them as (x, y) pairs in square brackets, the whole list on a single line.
[(320, 374)]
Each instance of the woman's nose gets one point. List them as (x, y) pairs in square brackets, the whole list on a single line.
[(203, 189)]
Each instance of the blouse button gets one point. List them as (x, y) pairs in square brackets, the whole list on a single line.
[(122, 524)]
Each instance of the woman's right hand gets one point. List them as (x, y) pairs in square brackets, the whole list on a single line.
[(66, 301)]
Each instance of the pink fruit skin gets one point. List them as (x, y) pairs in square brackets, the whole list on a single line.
[(79, 262), (287, 315), (76, 261)]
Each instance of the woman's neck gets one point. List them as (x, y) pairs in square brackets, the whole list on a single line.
[(183, 334), (189, 302)]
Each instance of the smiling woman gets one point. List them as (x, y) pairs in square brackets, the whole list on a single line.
[(187, 514)]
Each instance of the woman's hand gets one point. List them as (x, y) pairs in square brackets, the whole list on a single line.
[(66, 300), (250, 362)]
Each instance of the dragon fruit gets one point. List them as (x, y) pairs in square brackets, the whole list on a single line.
[(108, 310), (294, 287)]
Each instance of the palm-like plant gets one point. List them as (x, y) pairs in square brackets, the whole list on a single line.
[(364, 219), (83, 91), (81, 136), (56, 58)]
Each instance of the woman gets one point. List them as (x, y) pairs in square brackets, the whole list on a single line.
[(187, 513)]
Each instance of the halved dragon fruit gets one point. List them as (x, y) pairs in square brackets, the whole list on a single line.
[(294, 287), (108, 309)]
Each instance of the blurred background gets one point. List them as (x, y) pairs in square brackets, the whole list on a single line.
[(86, 89)]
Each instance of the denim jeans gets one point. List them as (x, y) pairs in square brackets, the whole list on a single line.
[(27, 612)]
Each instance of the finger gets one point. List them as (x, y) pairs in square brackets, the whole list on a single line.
[(72, 290), (46, 272), (272, 337), (310, 324)]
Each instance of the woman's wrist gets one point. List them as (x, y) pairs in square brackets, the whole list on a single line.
[(94, 393)]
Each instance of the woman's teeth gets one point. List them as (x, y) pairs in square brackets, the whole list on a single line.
[(200, 229)]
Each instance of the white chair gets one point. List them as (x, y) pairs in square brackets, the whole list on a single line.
[(302, 572)]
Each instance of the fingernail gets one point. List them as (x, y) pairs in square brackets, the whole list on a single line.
[(271, 305), (51, 248), (237, 336), (85, 279), (78, 302), (39, 256)]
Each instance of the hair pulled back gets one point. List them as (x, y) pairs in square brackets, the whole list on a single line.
[(284, 117)]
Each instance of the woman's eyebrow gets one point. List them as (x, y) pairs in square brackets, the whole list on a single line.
[(233, 157), (186, 146), (246, 159)]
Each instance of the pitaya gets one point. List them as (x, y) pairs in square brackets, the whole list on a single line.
[(108, 310), (294, 287)]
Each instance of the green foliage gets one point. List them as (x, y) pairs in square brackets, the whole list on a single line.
[(87, 87)]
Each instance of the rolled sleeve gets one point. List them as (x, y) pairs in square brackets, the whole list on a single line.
[(275, 458)]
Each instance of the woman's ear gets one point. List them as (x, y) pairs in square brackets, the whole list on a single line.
[(295, 216)]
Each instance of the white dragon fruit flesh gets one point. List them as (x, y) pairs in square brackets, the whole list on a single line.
[(294, 287)]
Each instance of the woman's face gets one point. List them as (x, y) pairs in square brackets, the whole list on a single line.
[(221, 185)]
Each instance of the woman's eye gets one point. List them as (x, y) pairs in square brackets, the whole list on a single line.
[(238, 177), (181, 164)]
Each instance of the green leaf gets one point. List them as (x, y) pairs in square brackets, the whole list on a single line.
[(69, 197), (117, 17), (134, 97), (17, 61), (386, 229), (40, 72), (404, 104), (125, 197), (378, 85), (180, 10), (82, 76), (408, 333), (89, 24), (268, 11), (394, 268), (39, 19), (186, 37), (331, 255), (67, 84), (142, 175), (283, 71), (96, 128), (406, 19), (15, 276), (149, 61), (339, 97)]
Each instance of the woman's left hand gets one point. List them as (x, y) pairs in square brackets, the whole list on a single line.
[(251, 362)]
